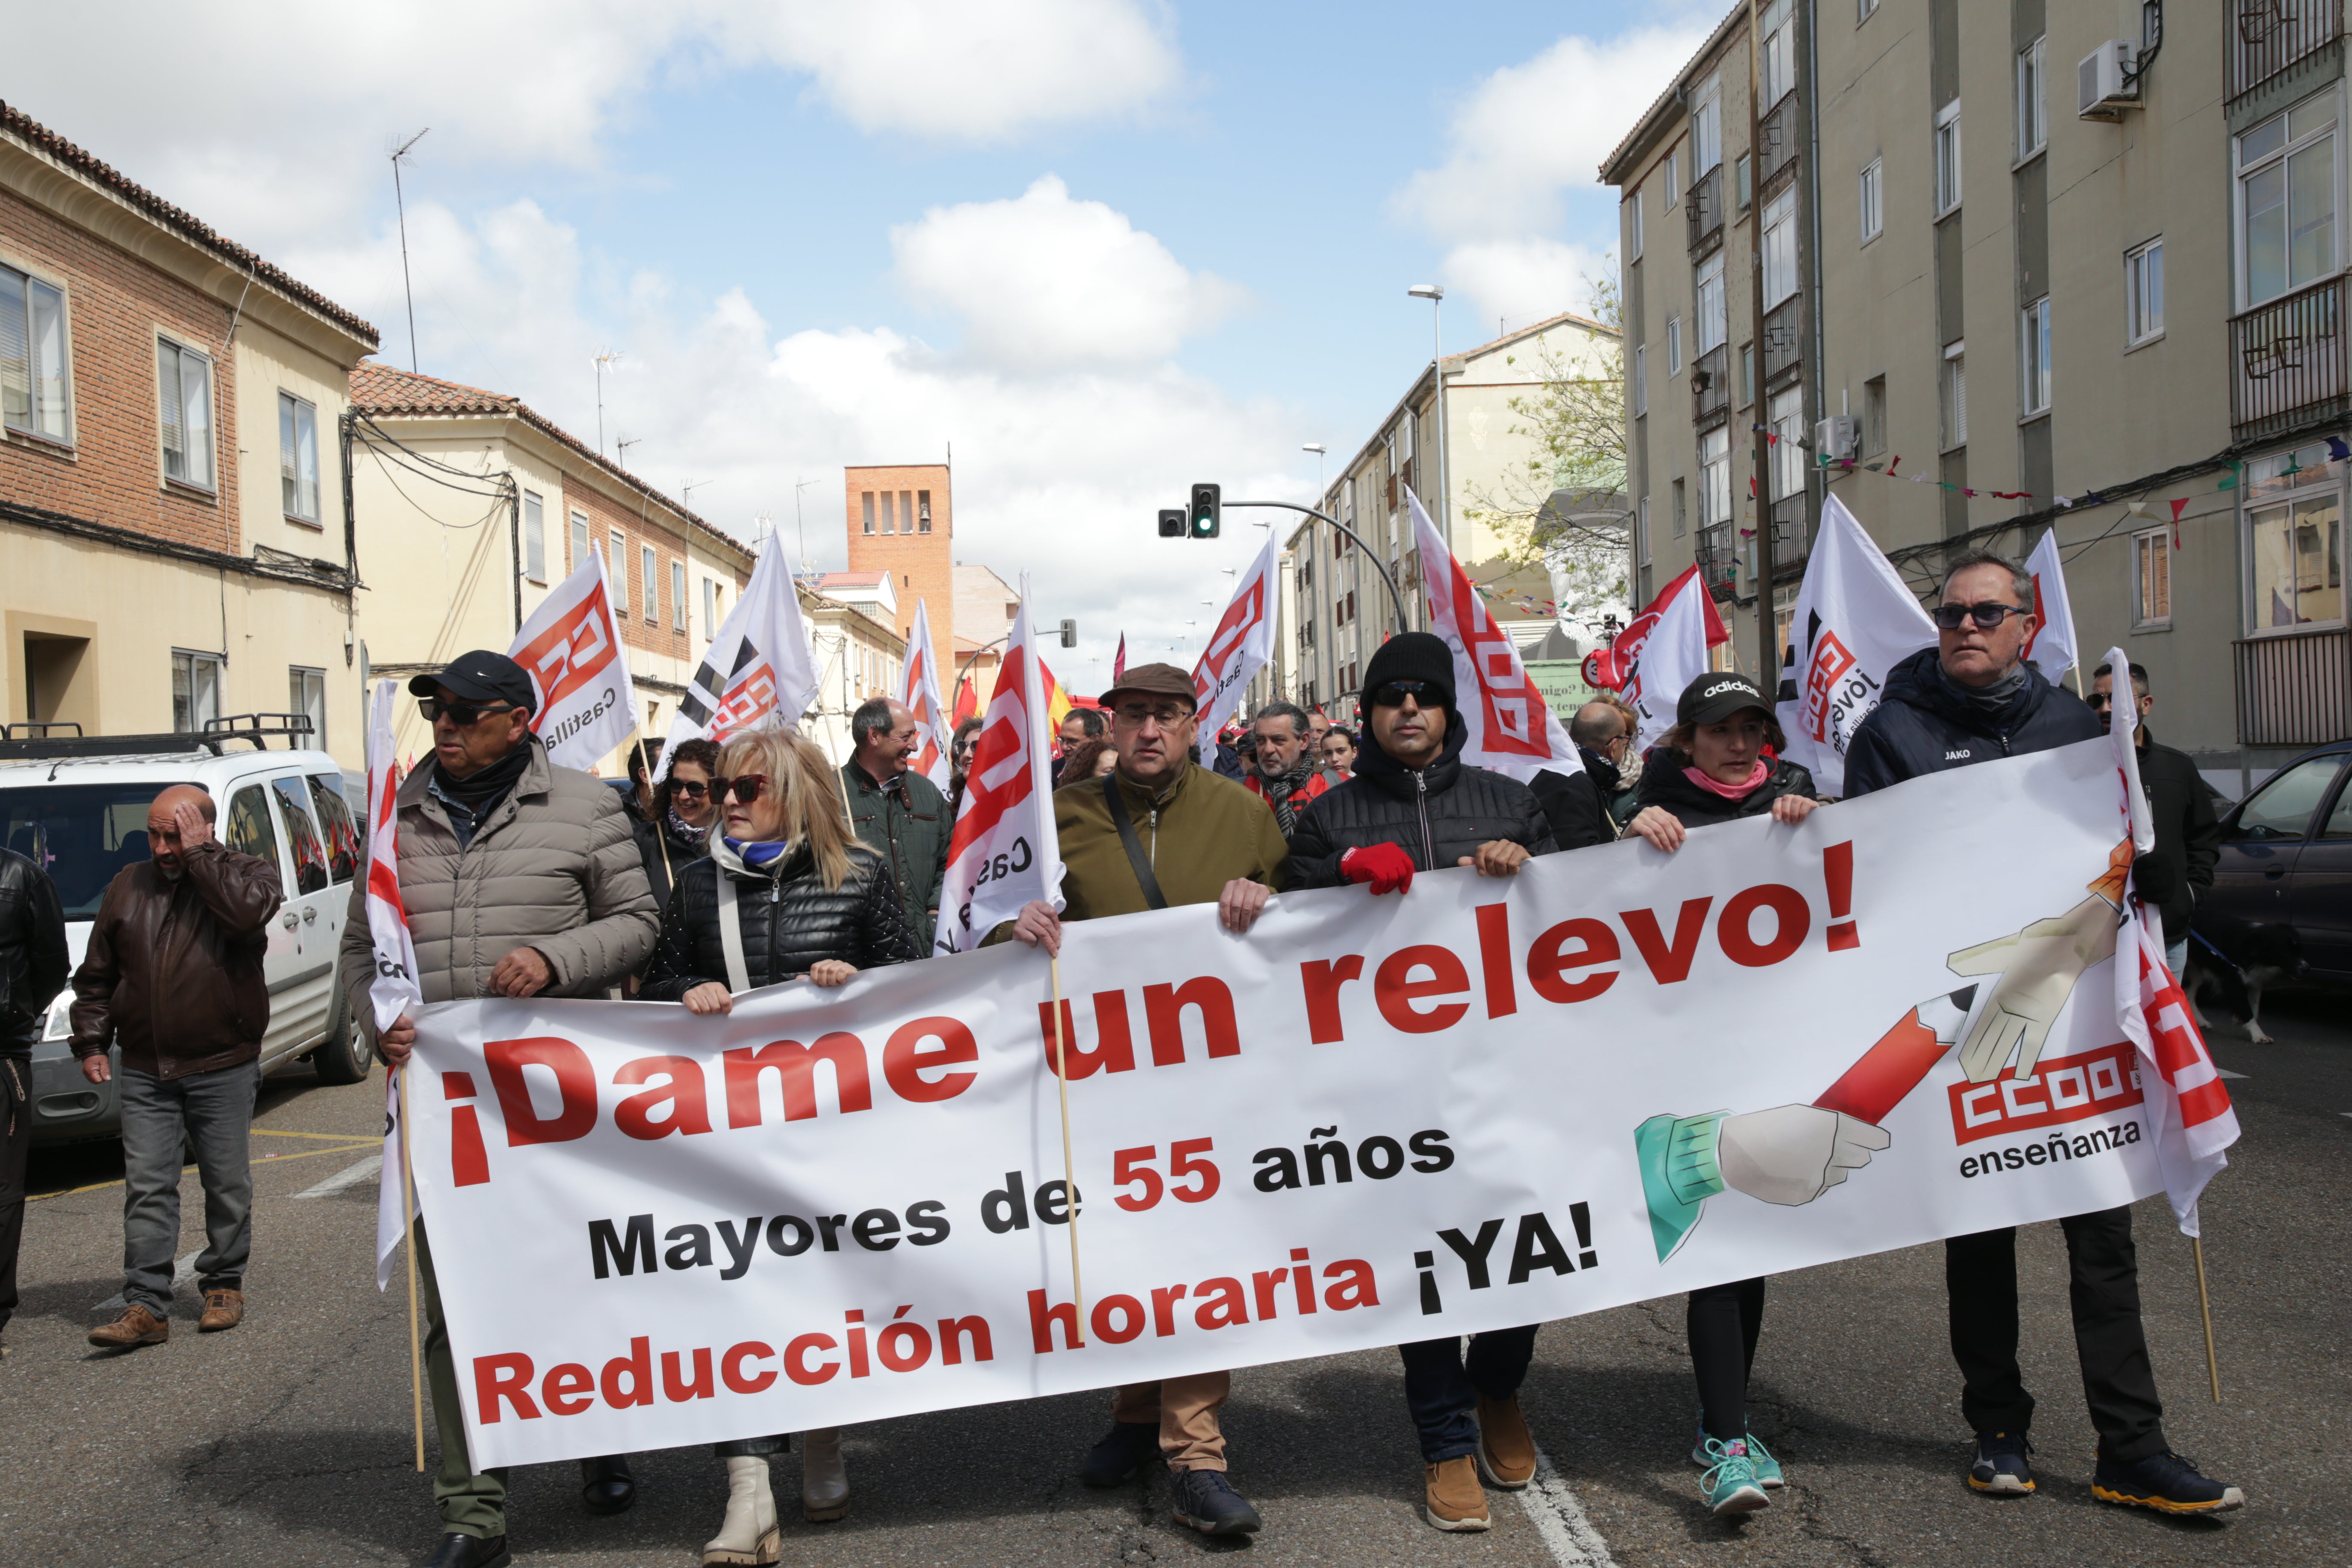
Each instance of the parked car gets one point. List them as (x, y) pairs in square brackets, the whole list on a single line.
[(78, 807), (2286, 862)]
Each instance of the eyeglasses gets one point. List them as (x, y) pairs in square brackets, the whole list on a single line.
[(2099, 701), (690, 789), (1988, 616), (1393, 693), (465, 715), (746, 788), (1163, 714)]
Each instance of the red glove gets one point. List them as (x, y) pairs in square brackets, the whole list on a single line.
[(1385, 866)]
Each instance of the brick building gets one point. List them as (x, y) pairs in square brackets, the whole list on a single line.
[(901, 519), (175, 543)]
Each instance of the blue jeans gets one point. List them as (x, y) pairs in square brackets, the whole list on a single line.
[(2175, 957), (1440, 1385), (214, 1112)]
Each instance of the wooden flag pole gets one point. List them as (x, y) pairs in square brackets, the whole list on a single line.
[(408, 1225), (2205, 1308), (1069, 1174)]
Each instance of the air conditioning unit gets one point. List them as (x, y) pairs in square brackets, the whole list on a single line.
[(2104, 82), (1838, 438)]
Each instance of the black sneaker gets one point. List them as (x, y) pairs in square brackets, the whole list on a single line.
[(2166, 1482), (1207, 1502), (1126, 1448), (2002, 1468), (461, 1551)]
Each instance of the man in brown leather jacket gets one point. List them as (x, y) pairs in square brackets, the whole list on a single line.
[(173, 976)]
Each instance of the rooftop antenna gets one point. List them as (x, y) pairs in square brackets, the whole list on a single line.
[(685, 491), (399, 203), (798, 522), (603, 358), (621, 445)]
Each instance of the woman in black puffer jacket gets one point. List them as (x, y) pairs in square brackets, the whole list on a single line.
[(806, 900)]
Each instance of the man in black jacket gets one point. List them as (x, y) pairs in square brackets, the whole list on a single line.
[(2179, 870), (1413, 805), (33, 970), (1972, 699)]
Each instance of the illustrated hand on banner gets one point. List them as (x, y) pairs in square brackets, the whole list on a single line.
[(1854, 621), (571, 647), (394, 991), (918, 693), (2051, 650), (758, 669), (2038, 968), (1512, 729), (1005, 850), (1237, 649)]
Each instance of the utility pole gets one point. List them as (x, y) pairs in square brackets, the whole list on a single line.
[(603, 358), (1768, 658), (1435, 294), (800, 522), (400, 204)]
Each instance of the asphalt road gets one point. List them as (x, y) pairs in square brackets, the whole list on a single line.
[(286, 1441)]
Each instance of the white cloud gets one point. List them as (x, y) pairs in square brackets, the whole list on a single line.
[(1520, 280), (1045, 280)]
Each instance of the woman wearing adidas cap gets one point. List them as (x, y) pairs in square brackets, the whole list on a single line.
[(1720, 764)]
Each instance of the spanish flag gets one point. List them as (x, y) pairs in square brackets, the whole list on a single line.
[(1057, 701)]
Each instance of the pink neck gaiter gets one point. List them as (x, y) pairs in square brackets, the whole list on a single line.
[(1729, 791)]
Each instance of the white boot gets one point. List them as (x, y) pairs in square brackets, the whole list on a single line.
[(749, 1534), (824, 1484)]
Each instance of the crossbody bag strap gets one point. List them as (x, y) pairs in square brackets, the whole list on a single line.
[(1126, 825), (731, 934)]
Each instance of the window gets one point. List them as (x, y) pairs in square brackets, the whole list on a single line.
[(1787, 452), (1682, 506), (1674, 346), (302, 834), (1776, 57), (1707, 128), (888, 500), (649, 568), (1948, 157), (337, 824), (579, 540), (2286, 199), (2144, 292), (534, 538), (1713, 326), (306, 693), (2295, 534), (1673, 190), (1641, 379), (251, 830), (1634, 228), (709, 609), (2151, 578), (2151, 24), (1867, 9), (196, 691), (2282, 807), (1746, 181), (1956, 395), (1874, 417), (677, 595), (2032, 115), (906, 512), (866, 501), (184, 381), (298, 456), (33, 379), (1715, 477), (620, 573), (2033, 359), (923, 511), (1780, 250), (1747, 374), (1874, 199)]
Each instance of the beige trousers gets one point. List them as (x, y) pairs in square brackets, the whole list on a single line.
[(1186, 1410)]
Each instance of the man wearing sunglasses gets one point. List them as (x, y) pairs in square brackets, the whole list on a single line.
[(1972, 699), (1160, 830), (520, 879)]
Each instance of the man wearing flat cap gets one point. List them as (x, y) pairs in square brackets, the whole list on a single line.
[(520, 879), (1160, 830)]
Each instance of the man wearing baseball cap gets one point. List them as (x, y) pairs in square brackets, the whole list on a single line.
[(520, 879), (1156, 831)]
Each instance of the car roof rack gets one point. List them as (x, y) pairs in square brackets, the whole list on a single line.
[(39, 742)]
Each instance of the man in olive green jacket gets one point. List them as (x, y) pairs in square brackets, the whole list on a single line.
[(1202, 839), (896, 812)]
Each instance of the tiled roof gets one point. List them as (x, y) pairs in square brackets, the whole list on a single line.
[(1737, 13), (388, 392), (853, 579), (16, 122)]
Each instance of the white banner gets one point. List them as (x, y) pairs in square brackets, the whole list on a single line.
[(571, 646), (2051, 647), (1669, 652), (1005, 850), (394, 991), (1854, 621), (1236, 650), (1367, 1122), (918, 693), (1512, 729), (757, 670)]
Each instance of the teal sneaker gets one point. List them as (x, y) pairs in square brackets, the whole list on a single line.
[(1767, 1468), (1729, 1485)]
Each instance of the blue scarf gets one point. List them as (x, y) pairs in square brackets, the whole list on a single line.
[(758, 855)]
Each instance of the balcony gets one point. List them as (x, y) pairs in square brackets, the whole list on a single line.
[(1784, 337), (1792, 533), (2293, 690), (1711, 386), (1717, 554), (1703, 205), (1778, 135), (2288, 363), (2274, 36)]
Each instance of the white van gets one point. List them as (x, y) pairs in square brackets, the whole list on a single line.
[(77, 806)]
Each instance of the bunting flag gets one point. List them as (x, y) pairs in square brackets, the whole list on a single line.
[(2051, 650), (1003, 851), (918, 693), (1512, 729)]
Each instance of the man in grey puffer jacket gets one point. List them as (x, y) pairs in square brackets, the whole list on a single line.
[(520, 879)]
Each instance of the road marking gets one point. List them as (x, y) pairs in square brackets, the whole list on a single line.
[(1559, 1518), (323, 1137), (2225, 1072), (349, 1176), (182, 1272), (189, 1170)]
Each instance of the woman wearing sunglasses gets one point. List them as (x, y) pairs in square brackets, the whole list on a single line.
[(673, 836), (1709, 768), (807, 899)]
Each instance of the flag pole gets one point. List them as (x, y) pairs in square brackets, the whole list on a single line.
[(1069, 1173), (2204, 1307), (408, 1227)]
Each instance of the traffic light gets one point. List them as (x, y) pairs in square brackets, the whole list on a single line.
[(1172, 522), (1069, 634), (1205, 521)]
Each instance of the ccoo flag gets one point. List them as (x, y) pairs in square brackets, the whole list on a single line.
[(1854, 621), (757, 670), (1512, 729), (394, 991), (1664, 650), (1237, 649), (1005, 850), (2051, 650), (918, 693), (571, 646)]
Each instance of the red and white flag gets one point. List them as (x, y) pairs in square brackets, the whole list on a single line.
[(1119, 662), (1238, 649), (758, 669), (918, 692), (1854, 621), (1512, 729), (571, 646), (1005, 851), (1662, 650), (394, 991), (2051, 650)]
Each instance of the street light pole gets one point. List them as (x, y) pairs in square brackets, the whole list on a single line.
[(1435, 294), (1396, 599)]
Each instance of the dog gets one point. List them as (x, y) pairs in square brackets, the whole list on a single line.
[(2233, 960)]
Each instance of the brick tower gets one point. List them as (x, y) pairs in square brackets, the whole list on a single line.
[(901, 520)]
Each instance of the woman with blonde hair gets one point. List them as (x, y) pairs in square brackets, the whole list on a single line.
[(806, 900)]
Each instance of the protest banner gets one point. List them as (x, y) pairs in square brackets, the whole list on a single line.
[(1512, 729), (1369, 1120), (1854, 621), (570, 646)]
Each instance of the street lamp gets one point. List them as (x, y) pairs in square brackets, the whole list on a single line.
[(1435, 294), (1316, 448)]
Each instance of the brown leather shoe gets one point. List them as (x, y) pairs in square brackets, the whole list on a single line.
[(1455, 1500), (223, 1309), (137, 1326), (1507, 1449)]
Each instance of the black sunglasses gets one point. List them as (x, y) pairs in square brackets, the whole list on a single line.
[(1392, 694), (465, 715), (747, 788), (688, 788), (1950, 616)]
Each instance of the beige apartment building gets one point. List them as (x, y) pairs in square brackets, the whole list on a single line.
[(2078, 266), (1334, 605)]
